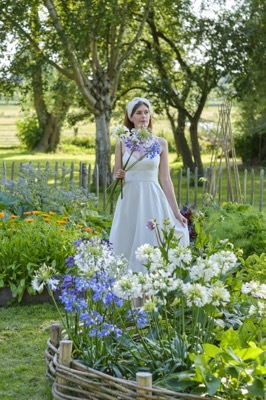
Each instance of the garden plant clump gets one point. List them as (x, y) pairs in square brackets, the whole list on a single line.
[(201, 328), (38, 224)]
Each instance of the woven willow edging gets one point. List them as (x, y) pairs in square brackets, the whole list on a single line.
[(74, 381)]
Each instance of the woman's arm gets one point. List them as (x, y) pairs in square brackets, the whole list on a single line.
[(166, 182), (118, 171)]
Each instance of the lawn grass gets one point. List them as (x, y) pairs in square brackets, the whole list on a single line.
[(24, 331)]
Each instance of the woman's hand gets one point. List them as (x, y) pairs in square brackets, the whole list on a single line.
[(181, 218), (120, 174)]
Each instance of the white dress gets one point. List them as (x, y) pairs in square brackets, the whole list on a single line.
[(143, 199)]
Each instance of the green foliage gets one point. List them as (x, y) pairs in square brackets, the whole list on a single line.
[(241, 224), (86, 142), (250, 147), (31, 191), (29, 131), (199, 330), (27, 245)]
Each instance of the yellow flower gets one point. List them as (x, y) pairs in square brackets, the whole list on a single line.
[(62, 230), (36, 212), (29, 219), (45, 215), (2, 215), (66, 218), (96, 232), (47, 219), (51, 212), (13, 216), (27, 213), (79, 226)]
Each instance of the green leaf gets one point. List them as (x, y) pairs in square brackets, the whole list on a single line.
[(257, 389), (250, 353), (212, 383), (211, 350)]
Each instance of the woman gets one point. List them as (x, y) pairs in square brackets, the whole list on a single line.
[(143, 197)]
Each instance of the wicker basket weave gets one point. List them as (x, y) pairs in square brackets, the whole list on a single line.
[(76, 381)]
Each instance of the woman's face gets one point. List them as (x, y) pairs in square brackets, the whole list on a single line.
[(141, 116)]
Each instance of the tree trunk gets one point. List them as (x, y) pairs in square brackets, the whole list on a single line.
[(193, 129), (51, 134), (180, 138), (103, 148)]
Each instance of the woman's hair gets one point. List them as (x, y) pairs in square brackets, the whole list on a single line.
[(129, 124)]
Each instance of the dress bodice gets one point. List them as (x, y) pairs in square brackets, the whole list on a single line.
[(144, 170)]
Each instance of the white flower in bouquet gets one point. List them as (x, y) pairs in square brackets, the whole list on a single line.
[(120, 132)]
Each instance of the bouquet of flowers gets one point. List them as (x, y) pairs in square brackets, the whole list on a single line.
[(134, 139)]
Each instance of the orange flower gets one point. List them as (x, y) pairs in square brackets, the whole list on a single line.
[(88, 230), (51, 213), (2, 215), (13, 216), (47, 219), (80, 226), (61, 222), (36, 212), (27, 213), (29, 219), (62, 230)]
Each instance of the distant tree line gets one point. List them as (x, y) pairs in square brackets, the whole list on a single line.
[(96, 55)]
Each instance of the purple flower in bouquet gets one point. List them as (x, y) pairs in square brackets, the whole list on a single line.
[(134, 140)]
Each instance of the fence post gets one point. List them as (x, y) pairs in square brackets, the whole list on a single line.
[(13, 171), (144, 379), (55, 334), (65, 351), (196, 178), (261, 189), (252, 187), (83, 175), (56, 174), (89, 180), (97, 185), (179, 183), (71, 175), (188, 185)]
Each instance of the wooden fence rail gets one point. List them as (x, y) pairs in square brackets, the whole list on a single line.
[(189, 187)]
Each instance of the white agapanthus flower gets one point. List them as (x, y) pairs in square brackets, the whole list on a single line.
[(45, 276), (219, 295), (94, 256), (128, 287), (262, 309), (196, 294), (147, 253), (204, 269), (180, 257), (226, 260), (255, 288)]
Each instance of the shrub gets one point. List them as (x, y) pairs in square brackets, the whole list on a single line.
[(29, 131)]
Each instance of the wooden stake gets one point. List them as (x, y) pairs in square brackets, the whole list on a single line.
[(144, 379)]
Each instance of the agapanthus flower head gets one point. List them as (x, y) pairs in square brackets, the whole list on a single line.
[(138, 317), (45, 276), (120, 132)]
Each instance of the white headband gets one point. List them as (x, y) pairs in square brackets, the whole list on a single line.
[(135, 101)]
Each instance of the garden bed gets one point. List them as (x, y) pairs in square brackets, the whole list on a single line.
[(73, 380), (6, 297)]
